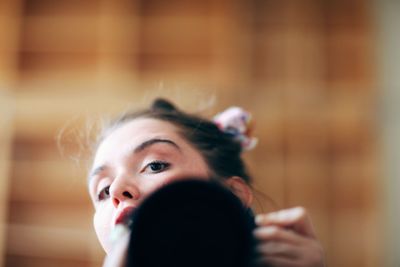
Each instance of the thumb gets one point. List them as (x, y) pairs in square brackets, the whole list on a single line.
[(117, 256)]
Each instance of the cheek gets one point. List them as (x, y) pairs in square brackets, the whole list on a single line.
[(179, 174), (102, 225), (149, 186)]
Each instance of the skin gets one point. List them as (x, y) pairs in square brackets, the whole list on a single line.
[(145, 154), (133, 161), (287, 240)]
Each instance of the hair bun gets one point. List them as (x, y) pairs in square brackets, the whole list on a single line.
[(162, 105)]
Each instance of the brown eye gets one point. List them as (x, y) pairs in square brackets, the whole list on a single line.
[(104, 193)]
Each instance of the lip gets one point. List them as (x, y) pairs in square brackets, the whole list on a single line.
[(123, 217)]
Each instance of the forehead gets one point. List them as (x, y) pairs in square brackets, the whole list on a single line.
[(133, 133), (143, 127)]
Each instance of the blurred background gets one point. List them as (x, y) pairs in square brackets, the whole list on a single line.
[(320, 77)]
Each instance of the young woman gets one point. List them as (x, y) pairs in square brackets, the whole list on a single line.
[(143, 151)]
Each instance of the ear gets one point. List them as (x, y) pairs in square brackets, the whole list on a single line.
[(241, 189)]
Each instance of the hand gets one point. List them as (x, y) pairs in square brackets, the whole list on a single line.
[(117, 256), (286, 239)]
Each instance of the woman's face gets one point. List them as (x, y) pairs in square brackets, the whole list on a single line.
[(133, 161)]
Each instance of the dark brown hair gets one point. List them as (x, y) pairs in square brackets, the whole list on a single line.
[(220, 151)]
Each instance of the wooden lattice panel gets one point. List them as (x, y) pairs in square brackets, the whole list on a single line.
[(304, 68)]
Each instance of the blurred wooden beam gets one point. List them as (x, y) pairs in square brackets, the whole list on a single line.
[(9, 37), (52, 214), (49, 181), (42, 116), (6, 126), (50, 34), (50, 242)]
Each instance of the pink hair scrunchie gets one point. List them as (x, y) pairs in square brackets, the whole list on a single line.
[(236, 121)]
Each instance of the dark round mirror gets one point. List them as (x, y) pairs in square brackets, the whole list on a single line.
[(191, 223)]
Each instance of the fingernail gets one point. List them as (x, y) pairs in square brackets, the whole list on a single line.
[(293, 213), (264, 231), (260, 218)]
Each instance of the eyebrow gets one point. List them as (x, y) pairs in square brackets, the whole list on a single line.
[(148, 143), (143, 146)]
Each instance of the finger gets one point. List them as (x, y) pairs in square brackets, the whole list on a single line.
[(117, 256), (120, 237), (275, 249), (294, 218), (272, 261), (276, 233)]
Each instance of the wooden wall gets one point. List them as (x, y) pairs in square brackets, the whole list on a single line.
[(304, 68)]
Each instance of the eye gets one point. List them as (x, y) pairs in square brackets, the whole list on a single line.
[(157, 166), (104, 193)]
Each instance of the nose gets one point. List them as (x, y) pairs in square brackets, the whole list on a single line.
[(124, 188)]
